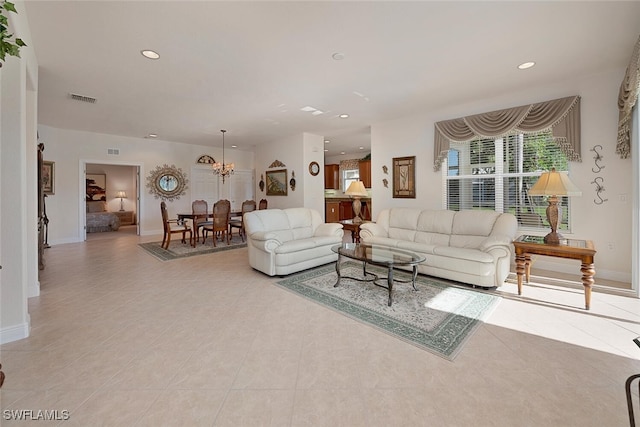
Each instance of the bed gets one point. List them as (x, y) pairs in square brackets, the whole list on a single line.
[(98, 219)]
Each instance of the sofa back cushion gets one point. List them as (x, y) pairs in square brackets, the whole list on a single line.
[(286, 224), (301, 222), (471, 227), (403, 223), (434, 227)]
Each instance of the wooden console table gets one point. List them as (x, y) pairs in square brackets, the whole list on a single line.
[(349, 225), (582, 250)]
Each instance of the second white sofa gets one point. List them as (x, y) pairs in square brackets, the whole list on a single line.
[(284, 241), (470, 246)]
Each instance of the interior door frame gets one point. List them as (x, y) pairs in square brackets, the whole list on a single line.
[(82, 229)]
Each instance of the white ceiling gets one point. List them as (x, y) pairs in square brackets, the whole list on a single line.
[(249, 67)]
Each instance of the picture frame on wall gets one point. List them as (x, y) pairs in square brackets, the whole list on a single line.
[(96, 187), (277, 182), (404, 177), (48, 177)]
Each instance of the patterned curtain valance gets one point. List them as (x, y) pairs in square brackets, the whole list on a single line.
[(561, 116), (626, 100)]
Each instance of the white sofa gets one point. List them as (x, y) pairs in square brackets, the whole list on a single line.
[(470, 246), (284, 241)]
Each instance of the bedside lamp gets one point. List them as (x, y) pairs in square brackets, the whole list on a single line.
[(356, 190), (554, 184), (122, 195)]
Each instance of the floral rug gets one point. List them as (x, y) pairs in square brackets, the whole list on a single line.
[(439, 317), (177, 249)]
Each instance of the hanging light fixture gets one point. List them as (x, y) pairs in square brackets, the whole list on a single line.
[(223, 169)]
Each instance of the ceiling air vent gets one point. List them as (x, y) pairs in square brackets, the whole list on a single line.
[(82, 98), (113, 151)]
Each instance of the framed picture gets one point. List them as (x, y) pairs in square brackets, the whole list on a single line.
[(404, 177), (277, 182), (48, 177), (96, 187)]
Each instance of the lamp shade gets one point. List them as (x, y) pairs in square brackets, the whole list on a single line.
[(121, 194), (554, 183), (356, 188)]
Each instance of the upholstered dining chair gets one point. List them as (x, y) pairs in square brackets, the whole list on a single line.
[(219, 223), (247, 206), (263, 204), (172, 226), (200, 211)]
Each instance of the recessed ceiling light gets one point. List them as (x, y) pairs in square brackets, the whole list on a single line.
[(150, 54), (342, 152), (326, 149), (153, 135), (234, 146), (344, 116), (338, 56), (308, 109), (362, 148), (526, 65), (326, 141)]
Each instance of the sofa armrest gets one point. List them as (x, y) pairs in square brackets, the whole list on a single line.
[(265, 240), (499, 246), (370, 229), (329, 229)]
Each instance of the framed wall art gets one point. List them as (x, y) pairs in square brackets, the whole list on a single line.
[(277, 182), (404, 177), (96, 186), (48, 177)]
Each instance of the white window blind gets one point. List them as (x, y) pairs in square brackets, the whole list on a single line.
[(496, 174)]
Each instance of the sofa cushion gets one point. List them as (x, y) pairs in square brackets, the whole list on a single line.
[(421, 248), (463, 254), (474, 222)]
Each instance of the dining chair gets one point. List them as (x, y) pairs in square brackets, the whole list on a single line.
[(247, 206), (220, 222), (200, 212), (172, 226), (263, 204)]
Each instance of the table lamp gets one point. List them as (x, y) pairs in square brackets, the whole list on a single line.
[(356, 190), (122, 195), (554, 184)]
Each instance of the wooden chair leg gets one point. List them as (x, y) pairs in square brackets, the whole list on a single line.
[(168, 241)]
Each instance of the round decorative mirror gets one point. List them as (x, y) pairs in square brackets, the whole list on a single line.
[(167, 182)]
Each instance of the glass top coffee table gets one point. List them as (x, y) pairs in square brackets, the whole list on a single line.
[(383, 256)]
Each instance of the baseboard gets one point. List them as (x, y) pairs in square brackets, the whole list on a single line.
[(33, 290), (14, 333)]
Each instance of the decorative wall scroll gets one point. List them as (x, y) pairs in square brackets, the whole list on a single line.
[(261, 183), (277, 182), (598, 181), (292, 181), (277, 164), (206, 159), (404, 177)]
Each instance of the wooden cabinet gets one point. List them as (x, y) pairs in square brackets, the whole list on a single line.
[(332, 213), (126, 217), (346, 210), (365, 172), (332, 177)]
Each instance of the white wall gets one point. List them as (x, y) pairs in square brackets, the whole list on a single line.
[(70, 150), (608, 225), (296, 152), (18, 209)]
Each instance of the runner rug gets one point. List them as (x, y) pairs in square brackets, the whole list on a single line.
[(177, 249), (439, 317)]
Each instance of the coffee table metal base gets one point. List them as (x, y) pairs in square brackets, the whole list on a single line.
[(374, 278)]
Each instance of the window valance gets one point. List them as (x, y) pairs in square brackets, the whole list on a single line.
[(560, 116), (626, 100)]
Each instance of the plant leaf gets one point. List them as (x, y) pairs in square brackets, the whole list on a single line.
[(20, 43), (10, 7)]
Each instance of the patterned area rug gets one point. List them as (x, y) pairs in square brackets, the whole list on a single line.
[(439, 317), (177, 249)]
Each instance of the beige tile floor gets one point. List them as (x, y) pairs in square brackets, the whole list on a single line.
[(121, 339)]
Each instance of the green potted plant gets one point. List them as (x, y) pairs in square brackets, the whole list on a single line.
[(9, 45)]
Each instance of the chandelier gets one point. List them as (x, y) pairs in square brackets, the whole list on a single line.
[(223, 169)]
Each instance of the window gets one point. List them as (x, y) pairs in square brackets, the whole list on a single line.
[(497, 173), (349, 176)]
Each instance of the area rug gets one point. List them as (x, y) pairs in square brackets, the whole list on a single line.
[(177, 249), (439, 317)]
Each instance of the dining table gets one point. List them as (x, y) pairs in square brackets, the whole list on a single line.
[(193, 217)]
